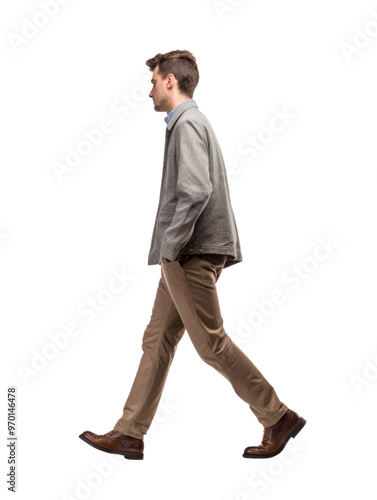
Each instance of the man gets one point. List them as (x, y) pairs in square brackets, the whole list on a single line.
[(194, 238)]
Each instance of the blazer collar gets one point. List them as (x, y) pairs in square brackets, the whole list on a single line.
[(188, 103)]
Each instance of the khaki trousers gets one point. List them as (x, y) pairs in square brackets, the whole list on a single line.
[(187, 299)]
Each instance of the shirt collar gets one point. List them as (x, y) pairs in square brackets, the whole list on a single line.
[(167, 118), (177, 108)]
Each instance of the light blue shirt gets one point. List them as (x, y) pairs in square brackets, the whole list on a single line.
[(167, 118)]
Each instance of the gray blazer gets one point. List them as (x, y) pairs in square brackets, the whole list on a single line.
[(194, 214)]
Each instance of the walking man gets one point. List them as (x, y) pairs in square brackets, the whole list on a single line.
[(194, 238)]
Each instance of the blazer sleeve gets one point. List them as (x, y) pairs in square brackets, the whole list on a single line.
[(193, 189)]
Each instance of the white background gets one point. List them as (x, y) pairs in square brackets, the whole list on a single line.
[(61, 240)]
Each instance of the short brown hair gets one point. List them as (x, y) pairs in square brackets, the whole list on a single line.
[(182, 64)]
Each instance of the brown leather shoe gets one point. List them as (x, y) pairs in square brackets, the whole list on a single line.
[(277, 436), (115, 442)]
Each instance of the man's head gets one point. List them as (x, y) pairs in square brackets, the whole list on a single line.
[(175, 77)]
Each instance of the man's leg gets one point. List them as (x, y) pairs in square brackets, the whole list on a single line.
[(192, 288), (160, 341)]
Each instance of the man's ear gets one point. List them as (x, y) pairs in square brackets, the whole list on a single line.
[(170, 79)]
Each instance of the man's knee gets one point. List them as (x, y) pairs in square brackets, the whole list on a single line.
[(212, 352)]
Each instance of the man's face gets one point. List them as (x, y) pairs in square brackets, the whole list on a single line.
[(159, 91)]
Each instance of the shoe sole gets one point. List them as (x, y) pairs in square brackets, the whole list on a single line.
[(293, 434), (130, 455)]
